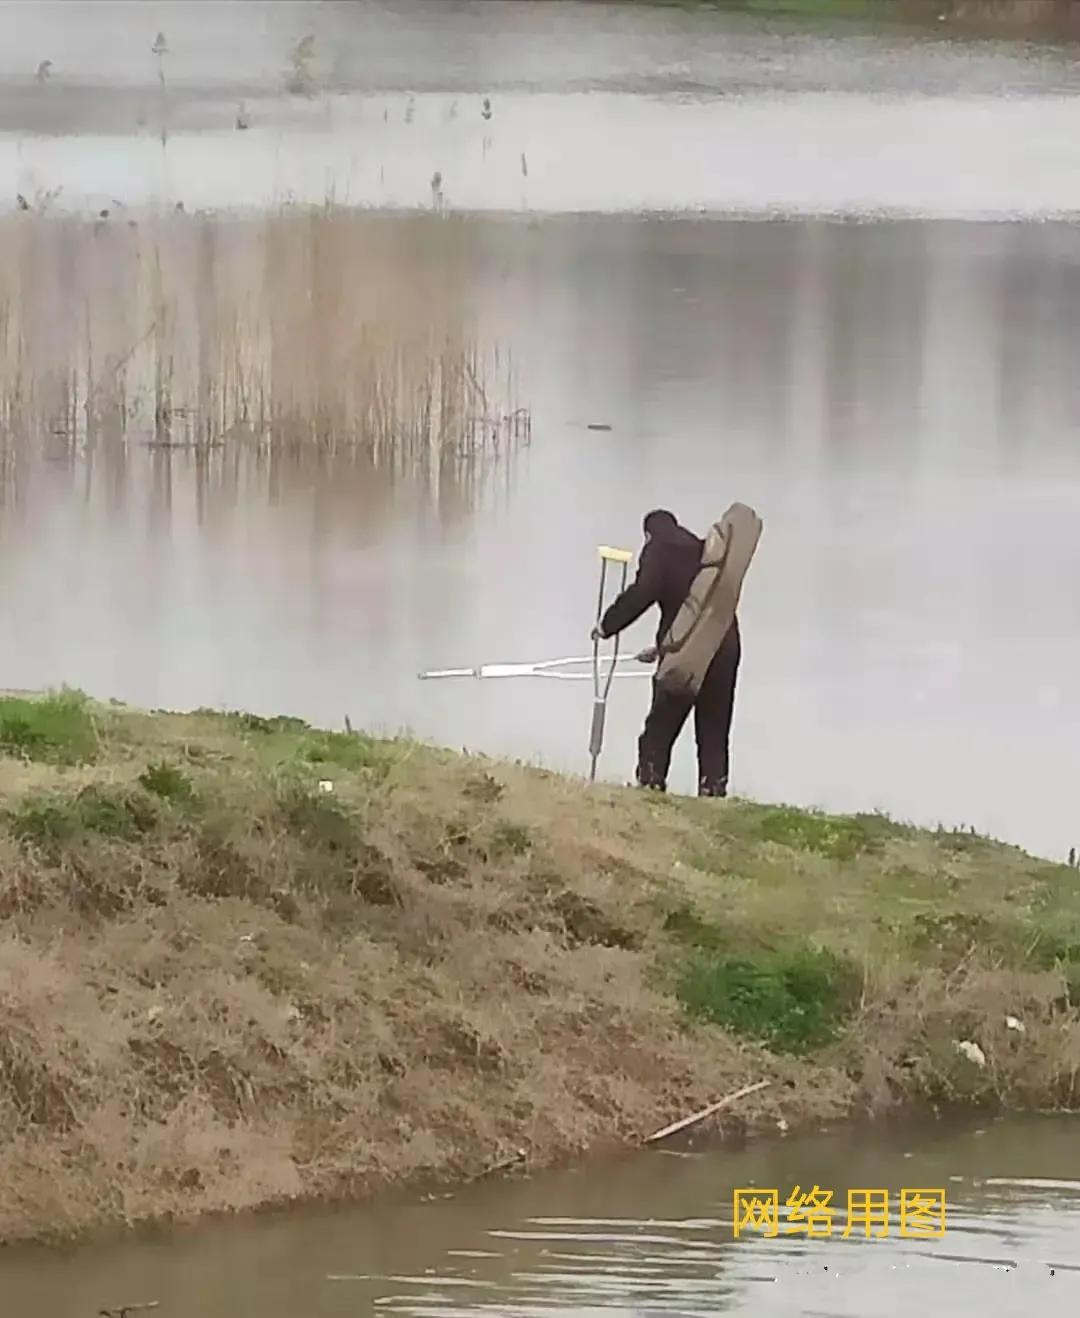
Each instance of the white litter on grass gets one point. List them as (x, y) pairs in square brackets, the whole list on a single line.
[(1012, 1023), (971, 1051), (325, 785)]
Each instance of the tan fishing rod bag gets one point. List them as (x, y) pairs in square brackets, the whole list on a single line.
[(706, 615)]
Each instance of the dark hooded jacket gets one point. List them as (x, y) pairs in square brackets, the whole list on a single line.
[(666, 570)]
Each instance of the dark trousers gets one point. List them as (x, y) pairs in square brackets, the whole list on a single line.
[(713, 708)]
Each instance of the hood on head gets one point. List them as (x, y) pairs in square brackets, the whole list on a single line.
[(659, 523), (662, 525)]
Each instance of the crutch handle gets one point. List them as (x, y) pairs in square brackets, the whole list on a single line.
[(613, 555)]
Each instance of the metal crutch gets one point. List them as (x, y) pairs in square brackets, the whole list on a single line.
[(596, 733)]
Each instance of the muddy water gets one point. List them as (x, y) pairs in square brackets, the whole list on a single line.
[(646, 1235), (898, 398)]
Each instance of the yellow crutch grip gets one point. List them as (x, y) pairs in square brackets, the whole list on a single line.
[(616, 555)]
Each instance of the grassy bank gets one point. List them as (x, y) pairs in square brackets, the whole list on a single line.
[(244, 961)]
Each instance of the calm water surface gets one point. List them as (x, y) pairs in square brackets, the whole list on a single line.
[(647, 1235)]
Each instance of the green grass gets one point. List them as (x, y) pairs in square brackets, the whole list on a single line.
[(316, 819), (58, 728), (687, 926), (509, 839), (762, 877), (258, 723), (840, 837), (168, 782), (793, 1000), (115, 813), (343, 750), (42, 821), (58, 817)]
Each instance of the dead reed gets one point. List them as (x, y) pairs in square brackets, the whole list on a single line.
[(331, 329)]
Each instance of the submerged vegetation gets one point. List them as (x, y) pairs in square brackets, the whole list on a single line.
[(246, 961)]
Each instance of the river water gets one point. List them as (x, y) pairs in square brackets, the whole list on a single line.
[(644, 1235)]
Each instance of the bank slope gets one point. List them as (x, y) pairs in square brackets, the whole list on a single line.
[(244, 961)]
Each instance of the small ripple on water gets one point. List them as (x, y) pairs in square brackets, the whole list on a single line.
[(605, 1237), (669, 1224), (405, 1280), (1035, 1183), (659, 1262)]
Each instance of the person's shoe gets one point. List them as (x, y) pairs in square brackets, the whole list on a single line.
[(706, 788), (651, 784)]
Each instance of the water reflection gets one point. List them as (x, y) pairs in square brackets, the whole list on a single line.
[(327, 329)]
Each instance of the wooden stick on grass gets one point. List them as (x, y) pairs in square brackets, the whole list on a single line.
[(695, 1117)]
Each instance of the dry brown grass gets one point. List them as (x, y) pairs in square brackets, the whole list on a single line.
[(223, 987), (328, 328)]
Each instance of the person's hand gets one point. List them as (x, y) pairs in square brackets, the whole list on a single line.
[(596, 634), (648, 656)]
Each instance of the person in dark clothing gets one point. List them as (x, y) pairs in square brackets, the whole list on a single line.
[(668, 564)]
